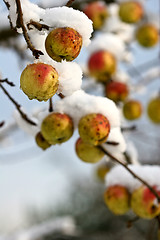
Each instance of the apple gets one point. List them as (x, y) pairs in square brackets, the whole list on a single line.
[(132, 109), (41, 142), (57, 128), (153, 110), (130, 11), (102, 65), (147, 35), (102, 170), (97, 12), (117, 199), (39, 81), (94, 128), (87, 152), (144, 203), (63, 44), (117, 91)]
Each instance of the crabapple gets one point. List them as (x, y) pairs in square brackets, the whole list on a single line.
[(97, 12), (130, 11), (87, 152), (102, 170), (102, 65), (94, 128), (63, 44), (117, 199), (41, 141), (57, 128), (144, 202), (153, 110), (132, 109), (39, 81), (147, 35), (117, 91)]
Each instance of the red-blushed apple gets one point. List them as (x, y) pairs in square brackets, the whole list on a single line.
[(63, 44), (117, 199), (117, 91), (97, 12), (87, 152), (102, 65), (57, 128), (94, 128), (41, 141), (132, 110), (144, 203), (39, 81), (153, 110), (147, 35), (131, 11)]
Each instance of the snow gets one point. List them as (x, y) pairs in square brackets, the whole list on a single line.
[(51, 3), (118, 175), (80, 104), (108, 42)]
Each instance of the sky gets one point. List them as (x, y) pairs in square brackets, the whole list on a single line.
[(29, 176)]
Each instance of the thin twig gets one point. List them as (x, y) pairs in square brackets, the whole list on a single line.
[(20, 24), (112, 143), (131, 172), (61, 95), (69, 3), (18, 106), (8, 82), (37, 25), (126, 129), (50, 105), (130, 222), (2, 124)]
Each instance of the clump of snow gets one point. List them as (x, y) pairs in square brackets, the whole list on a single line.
[(51, 3), (80, 104), (121, 76), (70, 77), (69, 17), (120, 176), (108, 42)]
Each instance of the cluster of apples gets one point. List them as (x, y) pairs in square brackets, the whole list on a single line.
[(142, 201), (93, 130), (39, 80)]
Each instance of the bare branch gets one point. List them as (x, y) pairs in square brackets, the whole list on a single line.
[(8, 82), (2, 124), (69, 3), (131, 172), (18, 106), (126, 129), (20, 24), (37, 25), (112, 143)]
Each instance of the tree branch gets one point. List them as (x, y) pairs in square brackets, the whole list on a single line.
[(2, 123), (8, 82), (50, 105), (20, 24), (69, 3), (18, 106), (131, 172)]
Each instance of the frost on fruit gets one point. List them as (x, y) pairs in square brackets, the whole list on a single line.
[(63, 44), (39, 81), (57, 128), (87, 152), (117, 198), (94, 128)]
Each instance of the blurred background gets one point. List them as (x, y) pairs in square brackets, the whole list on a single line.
[(52, 194)]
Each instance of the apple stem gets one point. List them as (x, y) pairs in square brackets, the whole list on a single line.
[(18, 107), (20, 24), (131, 172), (130, 222), (50, 105)]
